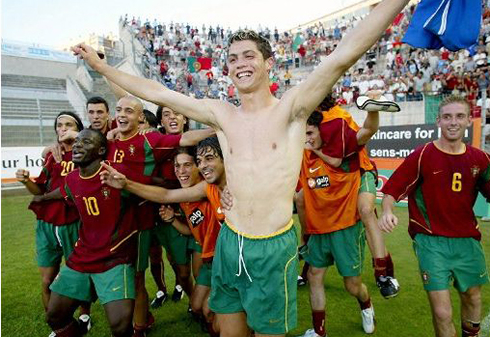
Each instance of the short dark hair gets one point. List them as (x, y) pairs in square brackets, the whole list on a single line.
[(98, 100), (211, 143), (190, 150), (150, 118), (78, 121), (327, 103), (262, 43), (315, 119)]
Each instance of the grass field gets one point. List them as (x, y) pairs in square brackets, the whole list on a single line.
[(406, 315)]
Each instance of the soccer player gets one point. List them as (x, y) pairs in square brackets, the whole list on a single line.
[(103, 254), (442, 180), (262, 142), (57, 222), (203, 223), (141, 154), (209, 159), (336, 234), (176, 243), (98, 115), (343, 148)]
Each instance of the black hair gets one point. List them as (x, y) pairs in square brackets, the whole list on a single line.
[(315, 119), (150, 118), (98, 100), (78, 121), (211, 143), (190, 150), (327, 103)]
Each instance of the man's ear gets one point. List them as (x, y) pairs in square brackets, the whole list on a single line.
[(269, 63)]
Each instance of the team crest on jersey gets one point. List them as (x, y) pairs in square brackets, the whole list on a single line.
[(318, 182), (475, 170), (196, 217), (106, 192), (425, 277), (132, 149)]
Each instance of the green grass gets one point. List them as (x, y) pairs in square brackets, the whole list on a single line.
[(406, 315)]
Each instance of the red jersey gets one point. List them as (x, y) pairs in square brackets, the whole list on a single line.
[(442, 189), (203, 224), (107, 235), (212, 193), (338, 132), (140, 155), (330, 195), (56, 212)]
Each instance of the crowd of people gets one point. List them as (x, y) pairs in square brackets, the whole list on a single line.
[(220, 200), (402, 72)]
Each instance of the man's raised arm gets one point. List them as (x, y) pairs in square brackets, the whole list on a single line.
[(319, 83), (149, 90)]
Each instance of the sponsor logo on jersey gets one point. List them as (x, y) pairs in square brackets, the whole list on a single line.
[(319, 182), (196, 217)]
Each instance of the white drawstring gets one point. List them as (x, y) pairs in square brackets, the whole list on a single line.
[(58, 236), (240, 258)]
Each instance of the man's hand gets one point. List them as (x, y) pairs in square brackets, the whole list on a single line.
[(226, 199), (167, 213), (113, 134), (145, 131), (111, 177), (22, 176), (68, 135), (387, 222), (88, 54)]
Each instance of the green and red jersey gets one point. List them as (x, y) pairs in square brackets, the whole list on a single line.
[(202, 221), (56, 212), (141, 155), (107, 235), (442, 189)]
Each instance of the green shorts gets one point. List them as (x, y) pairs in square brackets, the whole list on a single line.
[(194, 246), (443, 260), (257, 275), (368, 183), (174, 242), (144, 243), (204, 277), (344, 247), (114, 284), (53, 242)]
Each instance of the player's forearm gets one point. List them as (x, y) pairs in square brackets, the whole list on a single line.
[(332, 161), (148, 192), (32, 187), (144, 88), (53, 195), (388, 204), (368, 31), (181, 227), (369, 128), (117, 90), (191, 138)]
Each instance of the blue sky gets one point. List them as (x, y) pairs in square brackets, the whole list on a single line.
[(55, 22)]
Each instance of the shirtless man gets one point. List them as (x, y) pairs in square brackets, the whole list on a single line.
[(262, 142)]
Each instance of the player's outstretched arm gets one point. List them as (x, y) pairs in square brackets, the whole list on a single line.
[(111, 177), (319, 83), (388, 220), (199, 110), (192, 137)]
